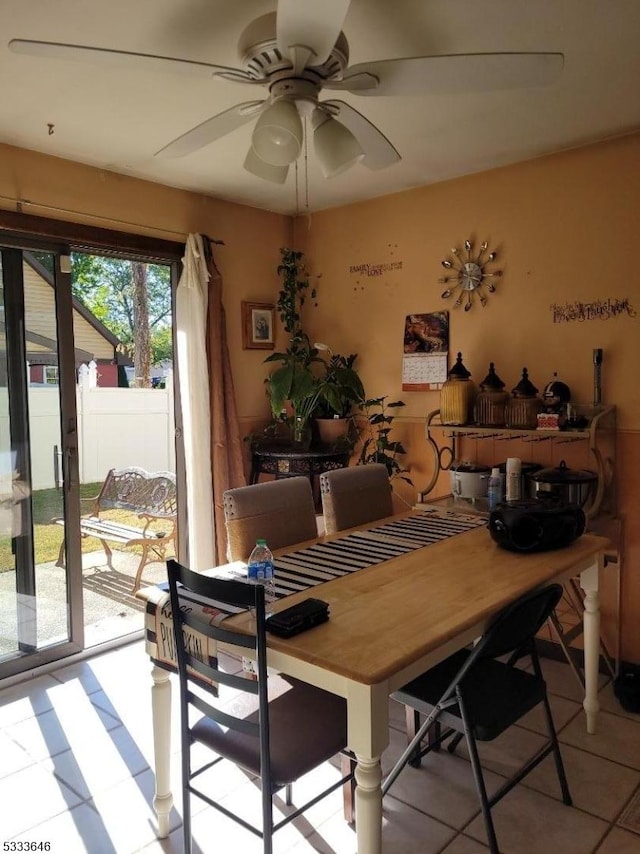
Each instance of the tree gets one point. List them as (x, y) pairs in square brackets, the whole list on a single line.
[(108, 287), (141, 343)]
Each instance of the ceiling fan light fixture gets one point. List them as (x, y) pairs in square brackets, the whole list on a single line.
[(257, 166), (336, 147), (277, 136)]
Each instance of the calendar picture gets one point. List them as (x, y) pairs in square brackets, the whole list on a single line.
[(425, 349)]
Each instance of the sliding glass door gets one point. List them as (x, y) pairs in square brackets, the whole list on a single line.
[(40, 560)]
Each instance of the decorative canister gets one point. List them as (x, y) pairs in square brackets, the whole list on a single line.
[(488, 410), (522, 409), (457, 395)]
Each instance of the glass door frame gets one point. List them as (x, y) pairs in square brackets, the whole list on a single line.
[(12, 253), (28, 231)]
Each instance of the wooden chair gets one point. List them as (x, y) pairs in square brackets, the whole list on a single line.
[(275, 728), (472, 693), (354, 496), (281, 511)]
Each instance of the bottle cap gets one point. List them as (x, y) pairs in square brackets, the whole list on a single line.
[(261, 542), (495, 471), (514, 464)]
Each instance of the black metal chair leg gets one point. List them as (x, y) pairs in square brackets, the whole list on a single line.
[(186, 802), (557, 756), (288, 794), (267, 819), (480, 786)]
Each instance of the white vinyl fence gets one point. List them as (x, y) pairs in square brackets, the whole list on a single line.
[(117, 428)]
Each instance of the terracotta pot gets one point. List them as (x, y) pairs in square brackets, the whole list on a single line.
[(332, 429)]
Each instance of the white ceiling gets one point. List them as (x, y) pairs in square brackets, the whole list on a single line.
[(117, 118)]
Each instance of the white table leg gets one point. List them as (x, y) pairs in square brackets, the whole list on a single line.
[(369, 805), (591, 623), (161, 713), (368, 735)]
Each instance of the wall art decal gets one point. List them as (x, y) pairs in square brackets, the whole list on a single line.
[(597, 310)]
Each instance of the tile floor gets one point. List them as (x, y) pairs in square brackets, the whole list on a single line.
[(76, 759)]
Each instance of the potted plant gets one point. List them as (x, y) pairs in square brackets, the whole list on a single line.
[(338, 391), (295, 381), (377, 447)]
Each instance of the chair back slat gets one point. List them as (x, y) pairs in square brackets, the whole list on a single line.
[(216, 633), (233, 722)]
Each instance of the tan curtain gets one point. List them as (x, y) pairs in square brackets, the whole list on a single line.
[(227, 468)]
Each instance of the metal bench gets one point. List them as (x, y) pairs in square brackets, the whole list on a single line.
[(152, 496)]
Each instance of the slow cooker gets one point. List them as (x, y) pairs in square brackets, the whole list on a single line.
[(469, 480), (575, 486)]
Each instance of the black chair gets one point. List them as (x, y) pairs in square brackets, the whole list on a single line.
[(277, 738), (473, 694)]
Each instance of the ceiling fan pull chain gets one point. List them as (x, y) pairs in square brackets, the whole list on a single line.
[(306, 165)]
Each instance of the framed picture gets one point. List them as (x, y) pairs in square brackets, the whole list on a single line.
[(258, 323)]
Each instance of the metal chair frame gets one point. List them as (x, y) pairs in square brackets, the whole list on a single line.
[(513, 632), (199, 678)]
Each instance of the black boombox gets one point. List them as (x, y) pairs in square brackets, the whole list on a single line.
[(536, 526)]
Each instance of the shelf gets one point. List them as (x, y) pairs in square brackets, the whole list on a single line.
[(595, 415), (601, 421)]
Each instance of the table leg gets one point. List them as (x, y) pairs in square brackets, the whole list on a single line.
[(369, 804), (591, 622), (368, 735), (161, 712)]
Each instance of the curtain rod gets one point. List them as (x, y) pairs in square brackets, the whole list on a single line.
[(20, 202)]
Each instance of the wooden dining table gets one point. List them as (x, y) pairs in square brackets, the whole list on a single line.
[(389, 623)]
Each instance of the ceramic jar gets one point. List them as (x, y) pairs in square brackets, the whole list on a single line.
[(521, 411), (457, 396), (489, 407)]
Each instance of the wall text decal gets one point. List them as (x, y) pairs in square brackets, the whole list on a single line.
[(597, 310), (375, 269)]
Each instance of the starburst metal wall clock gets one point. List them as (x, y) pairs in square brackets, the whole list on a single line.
[(469, 275)]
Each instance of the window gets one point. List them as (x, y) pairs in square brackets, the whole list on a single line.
[(50, 376)]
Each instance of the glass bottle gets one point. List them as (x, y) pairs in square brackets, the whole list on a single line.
[(489, 408), (523, 407), (457, 396)]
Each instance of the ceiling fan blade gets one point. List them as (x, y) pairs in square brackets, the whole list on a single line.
[(307, 30), (378, 151), (213, 128), (126, 59), (465, 72)]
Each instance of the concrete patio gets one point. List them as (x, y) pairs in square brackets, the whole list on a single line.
[(110, 609)]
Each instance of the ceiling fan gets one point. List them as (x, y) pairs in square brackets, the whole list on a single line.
[(297, 53)]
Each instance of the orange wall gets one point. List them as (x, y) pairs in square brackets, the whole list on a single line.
[(566, 230), (77, 193), (565, 227)]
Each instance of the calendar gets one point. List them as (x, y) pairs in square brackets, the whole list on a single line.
[(426, 350), (423, 371)]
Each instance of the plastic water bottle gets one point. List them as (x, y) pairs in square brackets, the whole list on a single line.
[(494, 489), (260, 571)]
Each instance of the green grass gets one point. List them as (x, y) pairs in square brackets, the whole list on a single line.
[(47, 536)]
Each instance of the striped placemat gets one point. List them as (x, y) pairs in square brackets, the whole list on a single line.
[(321, 562), (304, 569)]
